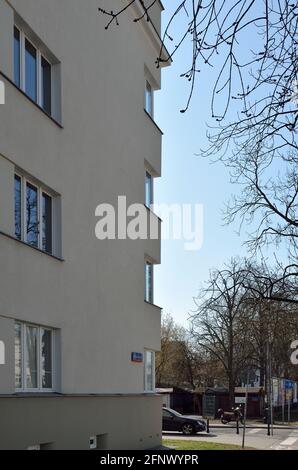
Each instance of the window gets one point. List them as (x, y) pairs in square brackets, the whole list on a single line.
[(46, 222), (46, 85), (149, 98), (18, 355), (46, 358), (32, 71), (33, 357), (149, 282), (149, 366), (2, 353), (33, 214), (17, 57), (148, 189), (18, 206)]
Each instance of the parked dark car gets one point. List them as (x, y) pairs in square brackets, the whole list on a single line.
[(174, 421)]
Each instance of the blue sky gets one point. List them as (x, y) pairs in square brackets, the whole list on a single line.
[(187, 178)]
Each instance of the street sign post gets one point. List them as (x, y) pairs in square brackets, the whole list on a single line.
[(209, 405), (245, 413), (283, 406)]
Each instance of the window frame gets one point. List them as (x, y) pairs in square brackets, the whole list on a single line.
[(23, 69), (39, 389), (17, 176), (18, 83), (22, 78), (150, 298), (149, 98), (28, 184), (146, 389), (46, 193), (40, 191), (148, 176), (42, 56)]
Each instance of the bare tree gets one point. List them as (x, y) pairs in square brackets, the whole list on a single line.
[(215, 28), (271, 327), (231, 331), (238, 323), (169, 333), (179, 363), (218, 324), (278, 284)]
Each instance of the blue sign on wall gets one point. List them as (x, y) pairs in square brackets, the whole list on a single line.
[(136, 357), (289, 384)]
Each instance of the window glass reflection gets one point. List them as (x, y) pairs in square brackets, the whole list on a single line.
[(149, 282), (46, 223), (32, 215), (46, 85), (148, 190), (31, 357), (46, 358), (18, 355), (149, 99), (30, 70)]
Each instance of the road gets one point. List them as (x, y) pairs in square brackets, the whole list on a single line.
[(282, 439)]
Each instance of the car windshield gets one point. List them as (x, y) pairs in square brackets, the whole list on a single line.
[(173, 412)]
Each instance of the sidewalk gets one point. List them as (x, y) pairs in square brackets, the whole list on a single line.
[(251, 426), (258, 443), (217, 424)]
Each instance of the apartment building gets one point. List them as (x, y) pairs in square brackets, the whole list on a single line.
[(78, 325)]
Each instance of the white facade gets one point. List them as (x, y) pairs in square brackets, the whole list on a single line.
[(73, 134)]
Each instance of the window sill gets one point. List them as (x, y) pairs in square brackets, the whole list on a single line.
[(152, 212), (31, 101), (152, 120), (152, 304), (57, 395), (31, 247)]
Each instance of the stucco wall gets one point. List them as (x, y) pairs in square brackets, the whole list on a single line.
[(130, 422), (95, 297)]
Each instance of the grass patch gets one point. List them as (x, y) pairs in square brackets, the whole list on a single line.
[(198, 445)]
